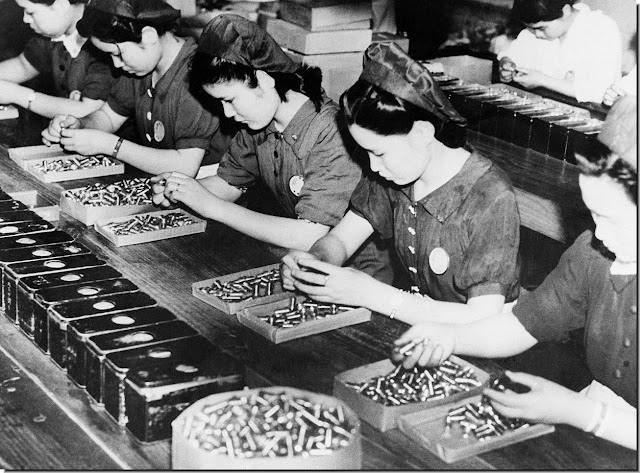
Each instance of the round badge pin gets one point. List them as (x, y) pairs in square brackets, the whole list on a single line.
[(295, 184), (438, 260), (158, 131)]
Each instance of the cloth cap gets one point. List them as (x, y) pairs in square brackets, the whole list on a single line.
[(390, 68), (620, 130), (236, 39), (149, 11)]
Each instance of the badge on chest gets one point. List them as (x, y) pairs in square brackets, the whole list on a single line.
[(158, 131), (439, 260), (295, 185)]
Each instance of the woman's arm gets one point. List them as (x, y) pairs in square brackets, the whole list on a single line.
[(17, 69)]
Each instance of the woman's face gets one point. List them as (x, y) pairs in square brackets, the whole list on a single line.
[(614, 214), (138, 59), (401, 159), (550, 30), (253, 107), (51, 21)]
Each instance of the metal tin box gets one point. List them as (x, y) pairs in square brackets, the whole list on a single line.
[(522, 122), (18, 216), (581, 138), (558, 134), (99, 346), (13, 272), (489, 112), (25, 228), (61, 314), (385, 417), (35, 239), (506, 118), (541, 127), (157, 383), (12, 206), (78, 332)]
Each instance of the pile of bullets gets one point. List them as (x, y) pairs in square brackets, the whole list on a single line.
[(244, 288), (403, 386), (299, 312), (268, 425), (481, 419), (136, 191), (150, 223), (73, 164)]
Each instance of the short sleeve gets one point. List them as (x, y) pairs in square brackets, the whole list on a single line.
[(194, 126), (560, 303), (330, 177), (122, 97), (490, 263), (100, 76), (371, 201), (239, 166), (38, 52)]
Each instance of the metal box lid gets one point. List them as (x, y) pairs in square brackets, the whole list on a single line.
[(18, 216), (101, 324), (11, 205), (25, 228), (51, 265), (88, 289), (35, 253), (67, 278), (101, 305), (35, 239)]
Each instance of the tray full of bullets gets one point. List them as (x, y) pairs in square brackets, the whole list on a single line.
[(467, 428), (381, 392), (234, 292), (298, 317), (150, 226), (75, 166), (101, 201)]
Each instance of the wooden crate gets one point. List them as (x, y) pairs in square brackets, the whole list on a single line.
[(95, 171), (88, 214), (38, 204), (318, 14), (295, 37), (427, 428), (249, 318), (198, 226), (22, 155), (233, 307), (385, 417), (8, 112)]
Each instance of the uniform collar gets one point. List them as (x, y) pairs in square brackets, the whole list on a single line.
[(166, 82), (622, 275), (445, 200), (293, 131), (72, 42)]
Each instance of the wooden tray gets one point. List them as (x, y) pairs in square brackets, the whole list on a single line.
[(96, 171), (248, 318), (24, 154), (38, 204), (426, 428), (89, 214), (385, 417), (198, 226), (233, 307), (8, 112)]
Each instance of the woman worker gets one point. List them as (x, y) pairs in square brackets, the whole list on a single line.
[(594, 287), (451, 213), (290, 140), (565, 47)]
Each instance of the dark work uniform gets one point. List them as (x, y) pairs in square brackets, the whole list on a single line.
[(169, 116), (308, 170), (458, 242), (582, 293), (90, 72)]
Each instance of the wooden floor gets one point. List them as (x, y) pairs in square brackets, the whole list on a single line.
[(49, 423)]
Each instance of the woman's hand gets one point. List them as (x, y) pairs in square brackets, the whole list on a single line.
[(433, 344), (326, 282), (507, 69), (158, 186), (179, 187), (52, 133), (87, 142), (289, 264), (612, 94), (547, 401), (529, 78)]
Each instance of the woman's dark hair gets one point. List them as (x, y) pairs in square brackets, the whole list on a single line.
[(209, 70), (381, 112), (535, 11), (51, 2), (597, 160), (111, 28)]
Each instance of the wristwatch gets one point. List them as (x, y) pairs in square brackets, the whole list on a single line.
[(30, 98)]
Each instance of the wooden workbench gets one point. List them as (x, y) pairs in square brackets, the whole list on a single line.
[(47, 422)]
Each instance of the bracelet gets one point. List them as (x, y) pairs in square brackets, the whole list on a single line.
[(31, 98), (599, 427), (117, 147), (396, 302), (596, 418)]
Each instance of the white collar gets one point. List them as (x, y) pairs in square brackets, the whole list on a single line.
[(72, 42), (623, 269)]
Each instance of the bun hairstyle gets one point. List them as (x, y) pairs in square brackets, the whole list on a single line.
[(383, 113)]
